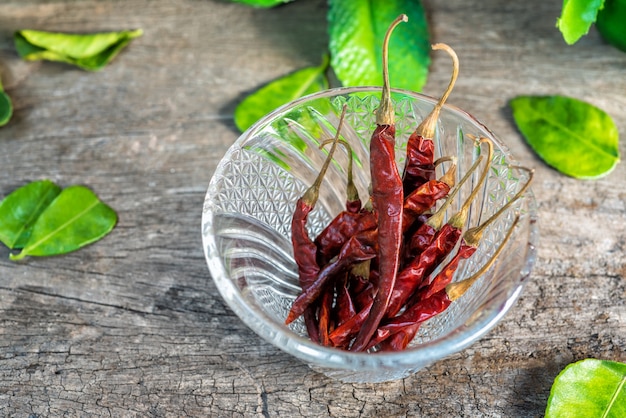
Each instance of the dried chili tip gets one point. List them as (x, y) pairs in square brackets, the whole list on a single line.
[(457, 289), (427, 127), (385, 113)]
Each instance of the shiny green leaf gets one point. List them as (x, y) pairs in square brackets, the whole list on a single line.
[(589, 388), (357, 30), (577, 16), (74, 219), (572, 136), (88, 51), (279, 92), (611, 23), (6, 108), (20, 209)]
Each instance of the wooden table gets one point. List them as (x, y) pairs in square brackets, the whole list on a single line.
[(134, 326)]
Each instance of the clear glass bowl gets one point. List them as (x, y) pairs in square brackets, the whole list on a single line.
[(250, 201)]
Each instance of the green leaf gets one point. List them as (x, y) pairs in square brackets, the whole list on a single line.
[(74, 219), (572, 136), (88, 51), (577, 16), (357, 30), (611, 25), (262, 3), (589, 388), (20, 209), (6, 108), (279, 92)]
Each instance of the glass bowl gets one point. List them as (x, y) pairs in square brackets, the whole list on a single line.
[(251, 197)]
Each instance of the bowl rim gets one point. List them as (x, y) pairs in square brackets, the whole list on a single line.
[(306, 350)]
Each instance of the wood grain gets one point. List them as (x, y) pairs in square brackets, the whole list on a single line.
[(133, 325)]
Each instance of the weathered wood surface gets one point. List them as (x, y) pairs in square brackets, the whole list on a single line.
[(133, 326)]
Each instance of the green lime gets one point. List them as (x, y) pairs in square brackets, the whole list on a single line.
[(611, 23)]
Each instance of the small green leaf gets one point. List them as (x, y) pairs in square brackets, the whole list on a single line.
[(357, 30), (279, 92), (572, 136), (20, 209), (6, 108), (611, 25), (577, 16), (88, 51), (589, 388), (74, 219)]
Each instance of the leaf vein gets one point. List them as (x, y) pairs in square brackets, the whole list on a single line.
[(614, 397), (568, 131), (63, 225)]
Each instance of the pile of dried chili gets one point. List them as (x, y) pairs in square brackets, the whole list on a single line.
[(379, 270)]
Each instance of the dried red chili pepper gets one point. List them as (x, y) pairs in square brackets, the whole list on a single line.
[(412, 318), (305, 250), (417, 242), (400, 340), (426, 196), (419, 167), (387, 198), (359, 248), (342, 227), (411, 277), (347, 223), (438, 302), (469, 244), (342, 335)]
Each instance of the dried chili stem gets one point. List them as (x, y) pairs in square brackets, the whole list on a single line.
[(352, 194), (312, 194), (436, 221), (459, 219), (473, 235), (427, 127), (450, 175), (456, 290), (385, 113)]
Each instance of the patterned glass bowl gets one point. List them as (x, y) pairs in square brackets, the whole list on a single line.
[(250, 201)]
